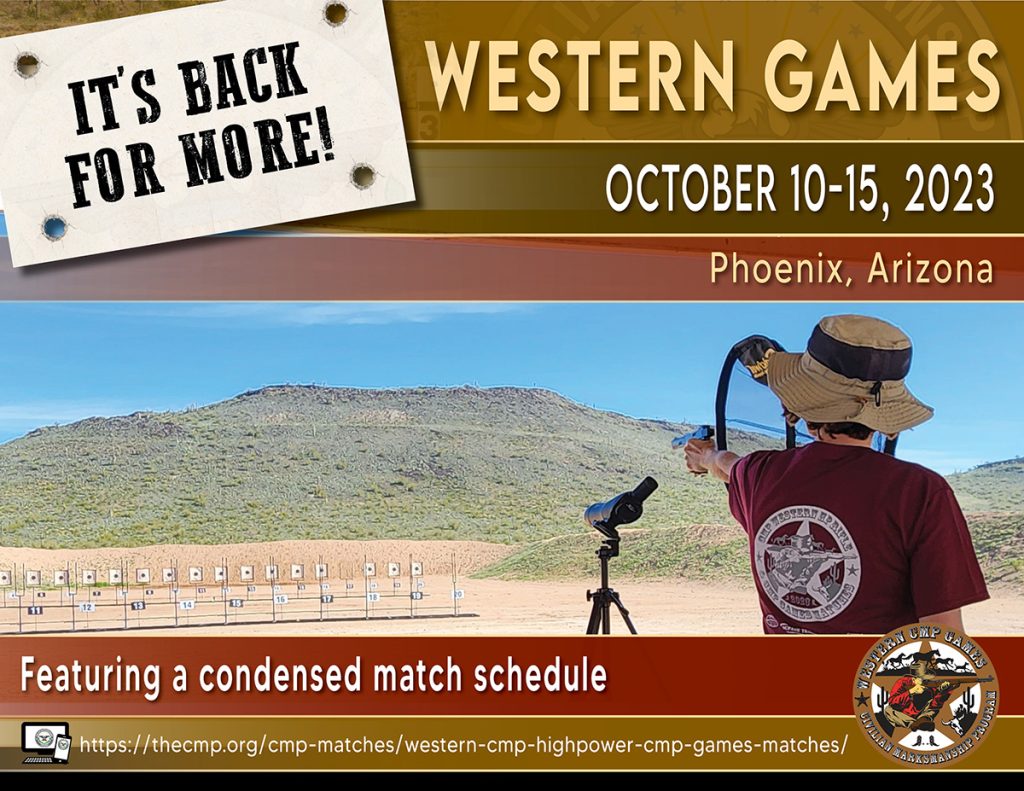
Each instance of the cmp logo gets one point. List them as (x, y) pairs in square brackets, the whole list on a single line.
[(926, 695), (807, 563)]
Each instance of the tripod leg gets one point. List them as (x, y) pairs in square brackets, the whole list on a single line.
[(622, 611), (593, 626)]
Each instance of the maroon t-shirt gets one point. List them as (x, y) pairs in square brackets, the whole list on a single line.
[(849, 540)]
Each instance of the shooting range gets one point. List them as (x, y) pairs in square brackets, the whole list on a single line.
[(143, 604)]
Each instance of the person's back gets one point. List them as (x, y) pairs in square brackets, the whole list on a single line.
[(846, 539)]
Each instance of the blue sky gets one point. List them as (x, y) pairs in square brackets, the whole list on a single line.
[(62, 362)]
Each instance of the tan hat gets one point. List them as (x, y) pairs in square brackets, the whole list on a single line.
[(852, 371)]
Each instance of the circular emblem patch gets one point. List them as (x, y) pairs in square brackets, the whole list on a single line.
[(807, 563), (926, 695)]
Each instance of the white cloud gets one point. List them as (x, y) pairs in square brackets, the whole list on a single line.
[(307, 314)]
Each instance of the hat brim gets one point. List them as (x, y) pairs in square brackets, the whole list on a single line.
[(819, 395)]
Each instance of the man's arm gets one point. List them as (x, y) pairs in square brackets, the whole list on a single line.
[(954, 619), (702, 458)]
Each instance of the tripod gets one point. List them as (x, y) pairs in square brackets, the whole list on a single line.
[(604, 597)]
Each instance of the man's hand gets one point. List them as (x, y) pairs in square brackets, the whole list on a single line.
[(698, 455)]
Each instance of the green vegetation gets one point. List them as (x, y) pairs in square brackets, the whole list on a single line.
[(699, 552), (505, 465), (991, 487)]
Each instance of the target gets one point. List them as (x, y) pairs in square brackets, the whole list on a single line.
[(247, 573), (60, 578), (321, 571), (394, 569), (271, 573), (89, 577), (417, 568), (298, 571), (168, 575), (142, 576), (114, 576), (370, 570), (5, 579), (195, 574), (220, 574), (33, 578)]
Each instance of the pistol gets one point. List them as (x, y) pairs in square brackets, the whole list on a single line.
[(703, 432)]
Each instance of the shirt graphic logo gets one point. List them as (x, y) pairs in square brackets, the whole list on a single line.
[(926, 695), (807, 563)]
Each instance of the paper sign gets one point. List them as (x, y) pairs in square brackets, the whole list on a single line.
[(197, 121)]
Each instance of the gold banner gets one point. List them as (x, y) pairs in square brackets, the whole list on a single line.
[(507, 32), (436, 743)]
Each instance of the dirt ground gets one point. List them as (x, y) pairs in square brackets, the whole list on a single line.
[(295, 606)]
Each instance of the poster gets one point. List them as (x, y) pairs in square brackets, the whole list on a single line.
[(652, 405)]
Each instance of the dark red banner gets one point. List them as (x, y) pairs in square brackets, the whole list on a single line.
[(638, 676), (667, 268)]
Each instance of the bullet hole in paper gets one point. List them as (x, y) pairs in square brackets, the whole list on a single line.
[(55, 228), (335, 14), (363, 176), (27, 65)]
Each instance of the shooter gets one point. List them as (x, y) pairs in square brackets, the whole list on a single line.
[(845, 539)]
